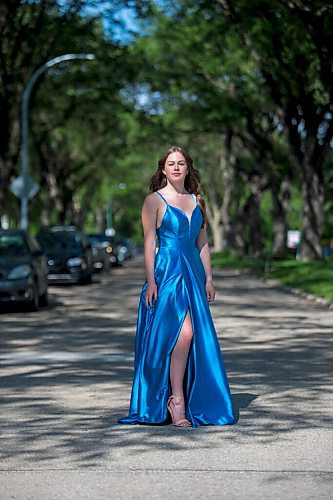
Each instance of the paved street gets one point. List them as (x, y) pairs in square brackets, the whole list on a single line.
[(66, 374)]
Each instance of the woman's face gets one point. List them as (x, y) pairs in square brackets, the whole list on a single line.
[(175, 168)]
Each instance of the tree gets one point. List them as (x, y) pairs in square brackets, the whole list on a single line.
[(291, 42), (73, 107), (203, 86), (28, 35)]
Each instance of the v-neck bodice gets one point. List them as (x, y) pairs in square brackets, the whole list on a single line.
[(176, 225), (177, 208)]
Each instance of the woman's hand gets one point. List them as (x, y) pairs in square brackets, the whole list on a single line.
[(151, 293), (203, 247), (210, 290)]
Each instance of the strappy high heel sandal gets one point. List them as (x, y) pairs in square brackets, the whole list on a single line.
[(182, 422)]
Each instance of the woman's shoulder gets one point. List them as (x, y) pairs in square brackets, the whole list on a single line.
[(151, 199)]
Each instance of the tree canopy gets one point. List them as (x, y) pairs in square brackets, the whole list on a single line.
[(245, 87)]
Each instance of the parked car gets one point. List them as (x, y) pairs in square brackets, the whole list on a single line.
[(23, 270), (106, 252), (126, 248), (69, 252)]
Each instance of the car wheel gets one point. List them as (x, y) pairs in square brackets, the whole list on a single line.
[(86, 280), (44, 299), (33, 304)]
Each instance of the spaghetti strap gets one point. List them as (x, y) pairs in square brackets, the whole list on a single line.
[(162, 197)]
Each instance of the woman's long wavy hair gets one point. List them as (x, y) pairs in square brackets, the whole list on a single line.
[(192, 179)]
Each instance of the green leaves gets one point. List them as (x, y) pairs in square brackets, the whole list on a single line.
[(245, 86)]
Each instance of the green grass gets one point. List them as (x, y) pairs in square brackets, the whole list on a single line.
[(313, 277)]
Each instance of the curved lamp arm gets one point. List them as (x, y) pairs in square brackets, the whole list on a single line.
[(25, 123)]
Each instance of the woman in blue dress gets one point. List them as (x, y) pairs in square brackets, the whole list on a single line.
[(178, 366)]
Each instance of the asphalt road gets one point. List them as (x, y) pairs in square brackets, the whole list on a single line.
[(66, 375)]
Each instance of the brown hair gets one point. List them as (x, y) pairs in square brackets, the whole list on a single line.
[(192, 179)]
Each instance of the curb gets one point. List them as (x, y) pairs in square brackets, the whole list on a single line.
[(320, 301), (300, 293)]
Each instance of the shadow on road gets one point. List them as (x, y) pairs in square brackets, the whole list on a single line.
[(67, 370)]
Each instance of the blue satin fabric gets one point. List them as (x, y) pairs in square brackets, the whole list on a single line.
[(180, 279)]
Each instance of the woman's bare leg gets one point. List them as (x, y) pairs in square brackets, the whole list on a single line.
[(178, 364)]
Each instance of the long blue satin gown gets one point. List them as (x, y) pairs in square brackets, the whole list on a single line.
[(180, 280)]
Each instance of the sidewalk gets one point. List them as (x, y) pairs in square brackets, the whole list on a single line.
[(66, 377)]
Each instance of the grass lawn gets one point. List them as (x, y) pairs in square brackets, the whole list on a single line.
[(312, 277)]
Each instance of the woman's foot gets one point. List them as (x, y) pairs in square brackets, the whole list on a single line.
[(176, 407)]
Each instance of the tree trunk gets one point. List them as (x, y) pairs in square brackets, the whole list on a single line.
[(4, 182), (253, 211), (280, 209), (313, 214), (214, 220), (279, 235), (238, 239), (217, 231), (237, 236), (227, 166), (100, 219), (9, 158)]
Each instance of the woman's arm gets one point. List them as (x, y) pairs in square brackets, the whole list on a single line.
[(149, 216), (203, 246)]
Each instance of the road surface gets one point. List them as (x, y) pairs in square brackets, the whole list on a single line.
[(66, 375)]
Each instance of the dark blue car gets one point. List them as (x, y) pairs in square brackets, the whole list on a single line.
[(23, 270), (69, 254)]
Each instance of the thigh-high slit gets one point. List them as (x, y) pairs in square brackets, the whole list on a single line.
[(179, 355)]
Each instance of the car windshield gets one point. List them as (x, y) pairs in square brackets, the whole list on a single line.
[(59, 242), (12, 245), (98, 239)]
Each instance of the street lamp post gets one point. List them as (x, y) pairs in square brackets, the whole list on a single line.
[(25, 126)]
